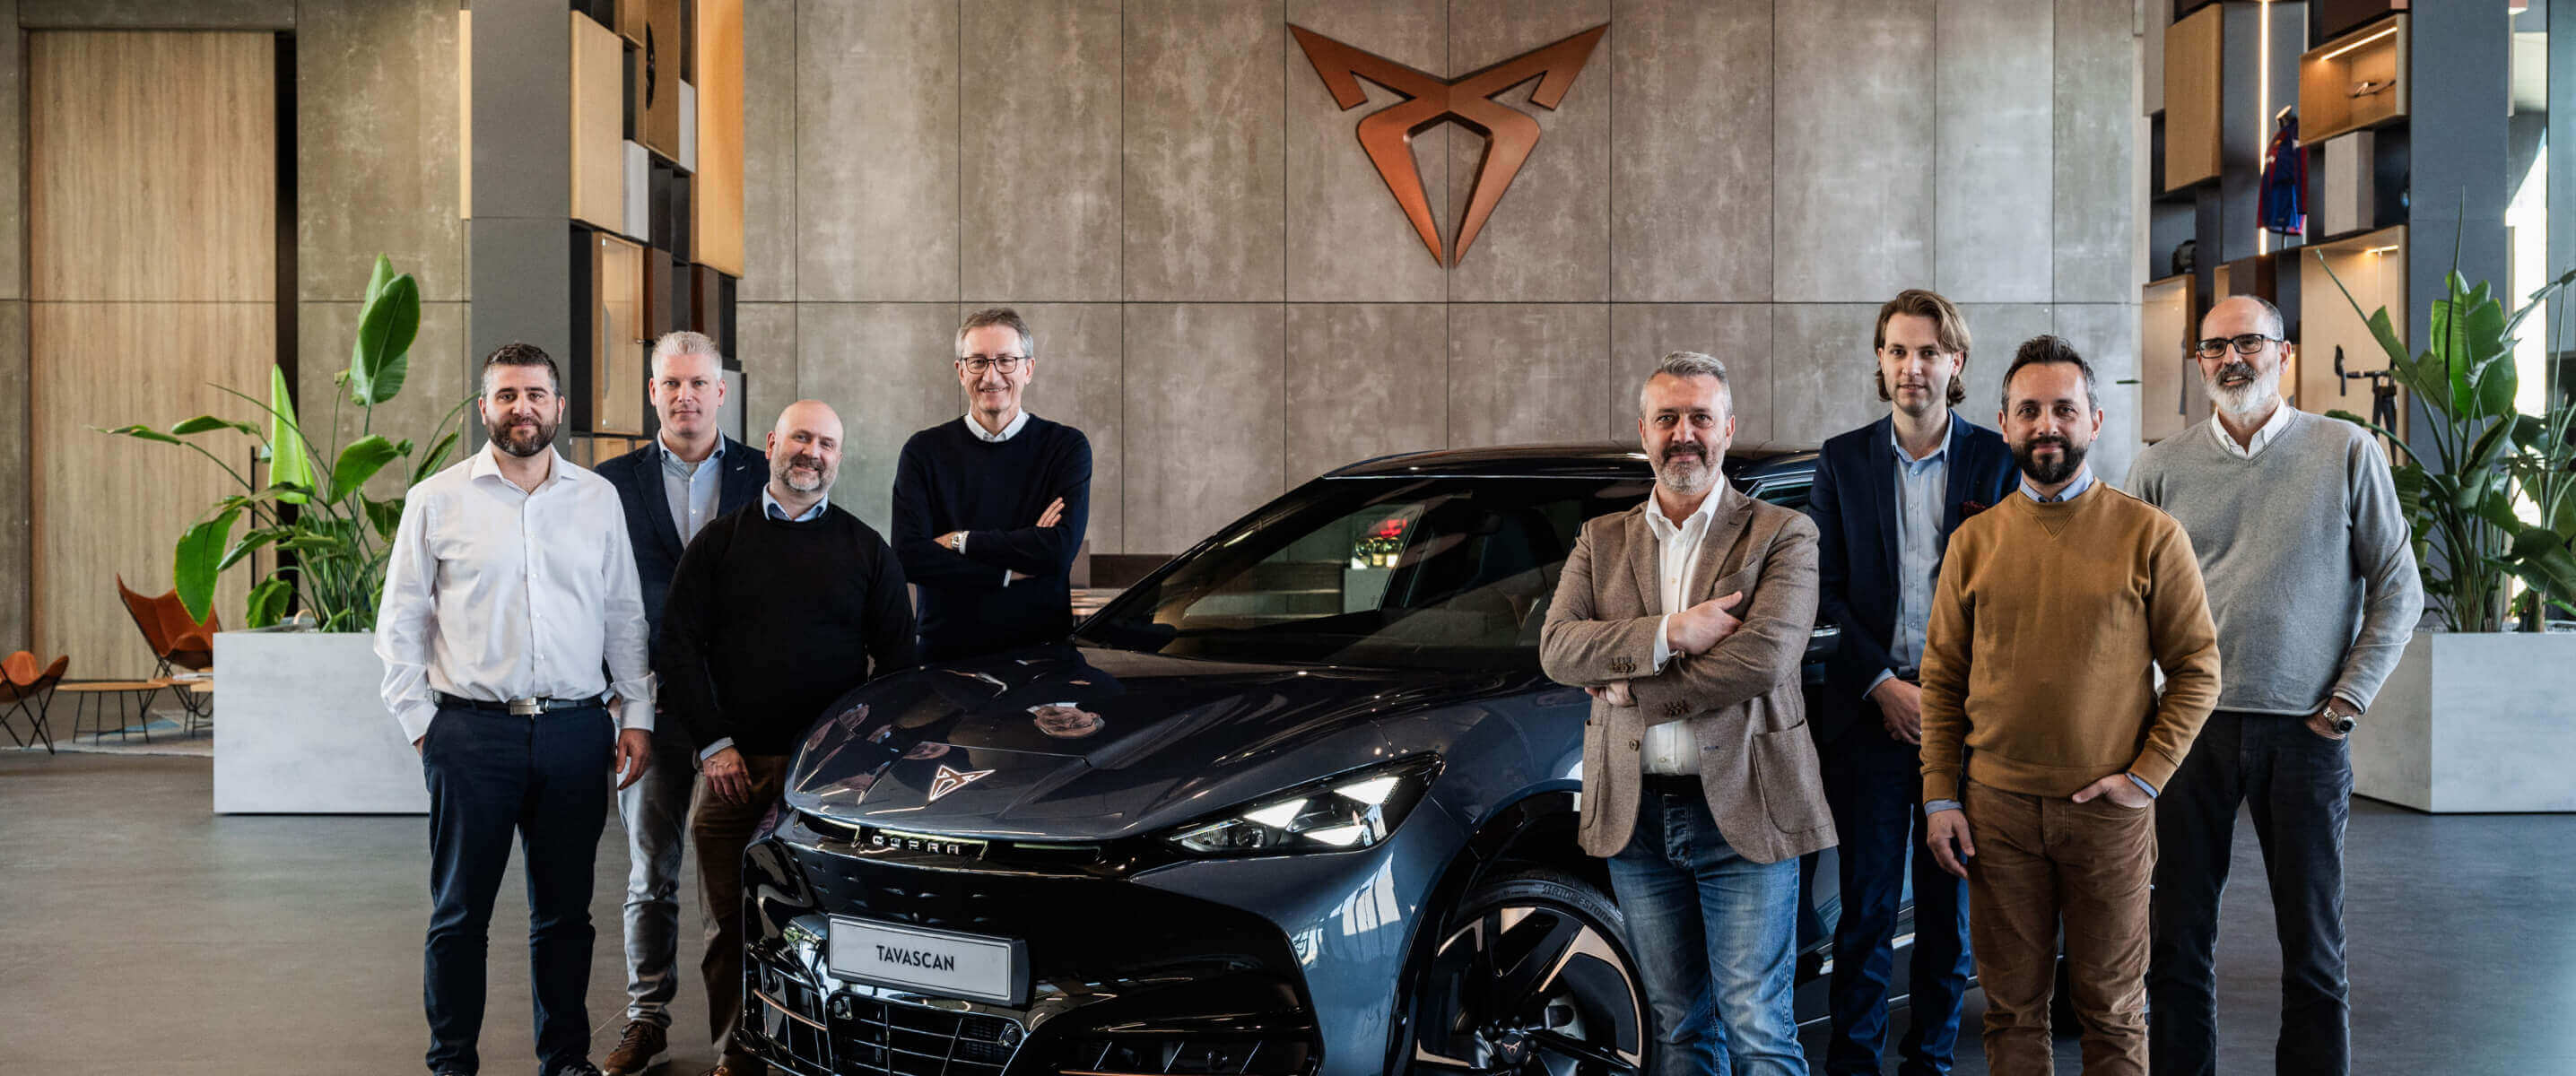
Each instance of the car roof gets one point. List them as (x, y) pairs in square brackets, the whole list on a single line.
[(1594, 460)]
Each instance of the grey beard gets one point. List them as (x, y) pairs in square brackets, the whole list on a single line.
[(2256, 396), (1675, 478)]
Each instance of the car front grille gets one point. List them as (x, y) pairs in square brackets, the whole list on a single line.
[(850, 1035)]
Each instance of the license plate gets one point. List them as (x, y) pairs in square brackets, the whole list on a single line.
[(931, 961)]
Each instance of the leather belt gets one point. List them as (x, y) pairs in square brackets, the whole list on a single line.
[(1674, 784), (515, 707)]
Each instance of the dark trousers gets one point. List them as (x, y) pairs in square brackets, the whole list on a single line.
[(1874, 784), (545, 779), (721, 830), (2297, 785)]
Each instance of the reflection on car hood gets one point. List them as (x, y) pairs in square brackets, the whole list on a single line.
[(1060, 743)]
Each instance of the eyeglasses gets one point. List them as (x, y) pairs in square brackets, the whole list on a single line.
[(2245, 345), (977, 364)]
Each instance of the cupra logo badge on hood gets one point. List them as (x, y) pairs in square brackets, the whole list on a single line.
[(949, 780), (1430, 101)]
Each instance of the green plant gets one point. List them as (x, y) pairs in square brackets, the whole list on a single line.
[(318, 512), (2486, 457)]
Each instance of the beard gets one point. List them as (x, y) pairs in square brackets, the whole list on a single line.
[(1685, 469), (524, 441), (2249, 399), (785, 471), (2069, 460)]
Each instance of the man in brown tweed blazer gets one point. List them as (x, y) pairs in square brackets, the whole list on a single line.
[(1686, 619)]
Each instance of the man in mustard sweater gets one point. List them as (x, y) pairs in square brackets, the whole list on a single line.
[(2053, 611)]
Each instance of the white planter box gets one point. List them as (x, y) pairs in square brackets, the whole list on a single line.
[(2474, 722), (302, 728)]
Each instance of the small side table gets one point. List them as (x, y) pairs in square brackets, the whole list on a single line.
[(133, 698)]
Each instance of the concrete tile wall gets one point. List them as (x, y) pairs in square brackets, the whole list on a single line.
[(1204, 388), (877, 89), (765, 345), (1205, 201), (1364, 380), (17, 518), (1993, 151), (375, 147), (887, 369), (1853, 149), (1229, 300), (1690, 151), (1040, 151)]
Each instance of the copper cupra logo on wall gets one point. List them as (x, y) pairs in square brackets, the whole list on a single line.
[(1430, 101)]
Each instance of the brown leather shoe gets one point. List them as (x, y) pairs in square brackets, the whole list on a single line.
[(637, 1048)]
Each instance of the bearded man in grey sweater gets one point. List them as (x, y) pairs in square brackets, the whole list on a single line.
[(2311, 577)]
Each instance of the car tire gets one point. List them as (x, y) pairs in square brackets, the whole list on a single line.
[(1531, 975)]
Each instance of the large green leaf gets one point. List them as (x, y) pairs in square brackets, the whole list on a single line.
[(2544, 559), (292, 462), (381, 275), (268, 602), (203, 423), (380, 359), (360, 462), (252, 542), (385, 516), (437, 457), (193, 563), (140, 432)]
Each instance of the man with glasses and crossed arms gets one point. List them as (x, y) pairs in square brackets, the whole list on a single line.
[(2304, 551), (989, 510)]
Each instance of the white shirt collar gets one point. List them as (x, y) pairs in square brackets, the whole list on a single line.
[(1008, 432), (487, 464), (2271, 431), (1707, 509)]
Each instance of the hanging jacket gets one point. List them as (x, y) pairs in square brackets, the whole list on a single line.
[(2285, 181)]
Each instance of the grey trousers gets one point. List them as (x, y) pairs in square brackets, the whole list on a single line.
[(655, 811)]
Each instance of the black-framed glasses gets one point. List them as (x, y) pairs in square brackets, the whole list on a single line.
[(977, 364), (2246, 344)]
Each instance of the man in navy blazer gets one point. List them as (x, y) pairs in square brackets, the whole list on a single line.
[(688, 476), (1886, 498)]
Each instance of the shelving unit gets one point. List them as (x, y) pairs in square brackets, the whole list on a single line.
[(2354, 82), (2373, 267), (2167, 385)]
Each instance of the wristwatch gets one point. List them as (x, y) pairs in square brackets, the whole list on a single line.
[(2342, 722)]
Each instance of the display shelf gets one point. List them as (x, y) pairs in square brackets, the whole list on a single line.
[(2373, 266), (2168, 312), (2192, 94), (2354, 82)]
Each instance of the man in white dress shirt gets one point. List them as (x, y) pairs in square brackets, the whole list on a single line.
[(510, 585)]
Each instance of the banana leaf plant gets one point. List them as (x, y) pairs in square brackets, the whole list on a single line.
[(314, 504), (2486, 462)]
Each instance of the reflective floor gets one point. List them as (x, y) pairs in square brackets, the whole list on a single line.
[(137, 931)]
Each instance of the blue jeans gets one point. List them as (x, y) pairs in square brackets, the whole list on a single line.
[(545, 780), (1711, 930), (1875, 786)]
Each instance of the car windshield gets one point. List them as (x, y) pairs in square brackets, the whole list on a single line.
[(1380, 572)]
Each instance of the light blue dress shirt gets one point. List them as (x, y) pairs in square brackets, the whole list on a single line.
[(1920, 486), (694, 489)]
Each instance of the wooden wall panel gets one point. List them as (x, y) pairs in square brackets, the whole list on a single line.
[(153, 161), (108, 505), (152, 166), (598, 111), (2192, 50), (715, 204)]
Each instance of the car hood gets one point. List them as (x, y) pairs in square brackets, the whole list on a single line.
[(1086, 744)]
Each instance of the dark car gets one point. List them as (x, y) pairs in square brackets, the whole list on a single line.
[(1298, 802)]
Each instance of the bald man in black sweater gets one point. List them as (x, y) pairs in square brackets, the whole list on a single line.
[(775, 611)]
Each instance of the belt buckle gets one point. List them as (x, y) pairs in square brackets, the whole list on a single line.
[(526, 707)]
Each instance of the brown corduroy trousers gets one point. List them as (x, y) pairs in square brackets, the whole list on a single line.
[(721, 831), (2044, 862)]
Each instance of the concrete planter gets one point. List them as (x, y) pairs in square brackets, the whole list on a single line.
[(303, 729), (2473, 722)]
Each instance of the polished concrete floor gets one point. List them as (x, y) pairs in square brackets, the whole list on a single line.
[(138, 933)]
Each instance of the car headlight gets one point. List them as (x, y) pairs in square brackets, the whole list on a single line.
[(1348, 811)]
